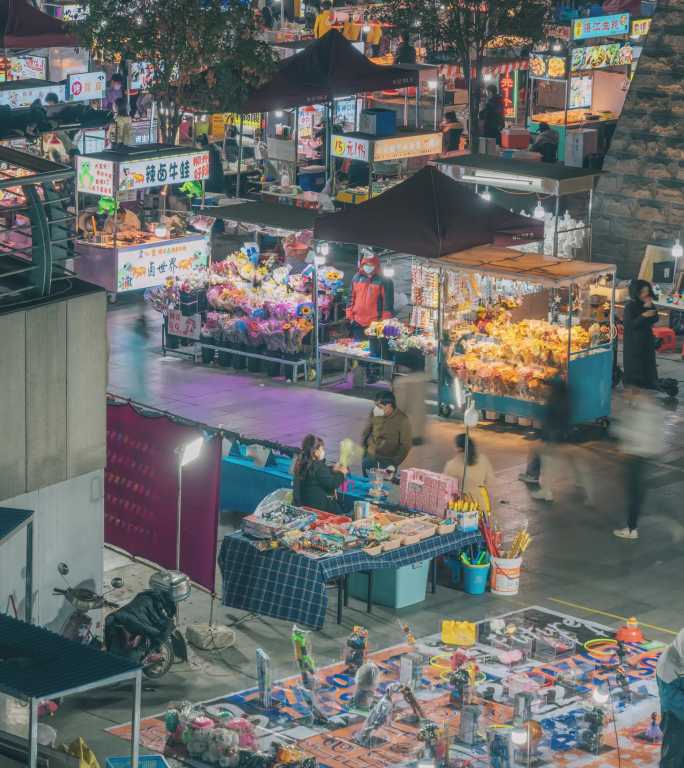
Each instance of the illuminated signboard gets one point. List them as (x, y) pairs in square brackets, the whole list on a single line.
[(86, 86), (351, 148), (18, 97), (601, 26), (25, 68), (545, 66), (602, 56), (147, 265), (640, 27), (400, 147), (507, 90)]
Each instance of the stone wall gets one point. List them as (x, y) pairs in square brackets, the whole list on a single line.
[(640, 197)]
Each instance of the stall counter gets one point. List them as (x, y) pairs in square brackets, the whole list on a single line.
[(603, 125), (131, 267)]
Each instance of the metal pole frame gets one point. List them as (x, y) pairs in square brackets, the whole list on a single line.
[(28, 597), (135, 721), (555, 228), (317, 358), (239, 159), (440, 337), (179, 508), (33, 733), (590, 234)]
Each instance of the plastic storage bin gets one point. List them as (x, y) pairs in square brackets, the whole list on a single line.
[(144, 761), (393, 587), (378, 122), (475, 579)]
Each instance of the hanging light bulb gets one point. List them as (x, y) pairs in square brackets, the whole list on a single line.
[(388, 269), (324, 249), (539, 212), (366, 28), (600, 695), (486, 195), (677, 250), (278, 113)]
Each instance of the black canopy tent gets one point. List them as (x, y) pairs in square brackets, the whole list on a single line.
[(429, 215), (327, 68), (23, 26), (12, 521), (36, 664)]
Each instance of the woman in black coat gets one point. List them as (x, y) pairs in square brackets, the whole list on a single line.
[(314, 481), (638, 352)]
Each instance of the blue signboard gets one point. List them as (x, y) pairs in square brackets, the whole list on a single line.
[(600, 26)]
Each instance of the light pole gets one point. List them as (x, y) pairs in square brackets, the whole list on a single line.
[(186, 455)]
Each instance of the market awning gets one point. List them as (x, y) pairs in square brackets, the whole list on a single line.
[(23, 26), (271, 215), (523, 175), (492, 65), (71, 117), (327, 68), (520, 265), (12, 521), (429, 215)]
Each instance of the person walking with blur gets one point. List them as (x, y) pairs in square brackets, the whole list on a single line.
[(314, 482), (638, 423), (670, 679), (638, 345), (478, 468)]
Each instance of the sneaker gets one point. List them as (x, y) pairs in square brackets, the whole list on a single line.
[(542, 495), (529, 479), (626, 533)]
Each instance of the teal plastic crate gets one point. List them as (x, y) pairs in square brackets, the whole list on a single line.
[(393, 587), (144, 761)]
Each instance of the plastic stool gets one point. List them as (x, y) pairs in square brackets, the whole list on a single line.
[(668, 338)]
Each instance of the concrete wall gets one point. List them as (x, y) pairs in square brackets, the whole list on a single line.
[(53, 369), (640, 198), (68, 527)]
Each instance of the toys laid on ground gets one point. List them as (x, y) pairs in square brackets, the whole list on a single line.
[(356, 649)]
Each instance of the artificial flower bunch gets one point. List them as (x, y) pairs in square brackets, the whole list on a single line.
[(388, 329)]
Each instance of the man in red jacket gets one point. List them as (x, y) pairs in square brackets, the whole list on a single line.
[(372, 297)]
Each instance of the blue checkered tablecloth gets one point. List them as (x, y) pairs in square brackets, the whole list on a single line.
[(286, 585)]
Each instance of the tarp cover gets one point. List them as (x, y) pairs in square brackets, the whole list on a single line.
[(24, 26), (429, 215), (326, 68)]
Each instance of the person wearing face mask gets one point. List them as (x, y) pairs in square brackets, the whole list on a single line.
[(387, 436), (314, 482), (371, 298)]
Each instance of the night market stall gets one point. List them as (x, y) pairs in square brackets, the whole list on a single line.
[(579, 90), (427, 217), (122, 251), (263, 306)]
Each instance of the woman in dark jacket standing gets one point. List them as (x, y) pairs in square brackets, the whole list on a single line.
[(315, 482), (638, 352)]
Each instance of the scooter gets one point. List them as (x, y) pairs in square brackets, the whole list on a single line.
[(78, 625), (123, 637)]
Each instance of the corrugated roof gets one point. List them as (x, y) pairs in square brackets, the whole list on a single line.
[(520, 265), (12, 520), (37, 663)]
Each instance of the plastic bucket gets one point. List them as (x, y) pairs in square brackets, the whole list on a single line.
[(506, 575), (475, 579)]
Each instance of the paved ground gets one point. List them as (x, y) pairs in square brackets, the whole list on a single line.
[(574, 564)]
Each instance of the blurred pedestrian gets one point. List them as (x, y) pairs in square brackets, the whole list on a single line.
[(638, 350), (314, 482), (492, 115), (406, 53), (478, 468), (670, 678), (387, 437), (555, 430), (638, 423)]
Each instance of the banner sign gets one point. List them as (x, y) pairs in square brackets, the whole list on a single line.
[(640, 27), (105, 177), (600, 26), (181, 325), (399, 147), (86, 86), (545, 66), (602, 56), (19, 97), (144, 266), (140, 75), (350, 148), (25, 68)]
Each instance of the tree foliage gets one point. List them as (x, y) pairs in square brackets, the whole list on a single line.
[(460, 31), (204, 53)]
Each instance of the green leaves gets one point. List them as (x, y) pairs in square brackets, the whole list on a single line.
[(204, 53)]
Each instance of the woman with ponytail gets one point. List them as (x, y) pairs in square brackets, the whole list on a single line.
[(314, 481)]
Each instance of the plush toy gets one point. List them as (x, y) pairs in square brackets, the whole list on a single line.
[(366, 681), (197, 741), (245, 731), (223, 748)]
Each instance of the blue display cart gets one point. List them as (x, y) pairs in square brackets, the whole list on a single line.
[(589, 372)]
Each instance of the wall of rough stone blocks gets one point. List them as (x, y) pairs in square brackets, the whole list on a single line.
[(640, 197)]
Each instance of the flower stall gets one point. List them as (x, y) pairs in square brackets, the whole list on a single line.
[(517, 321), (256, 309)]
